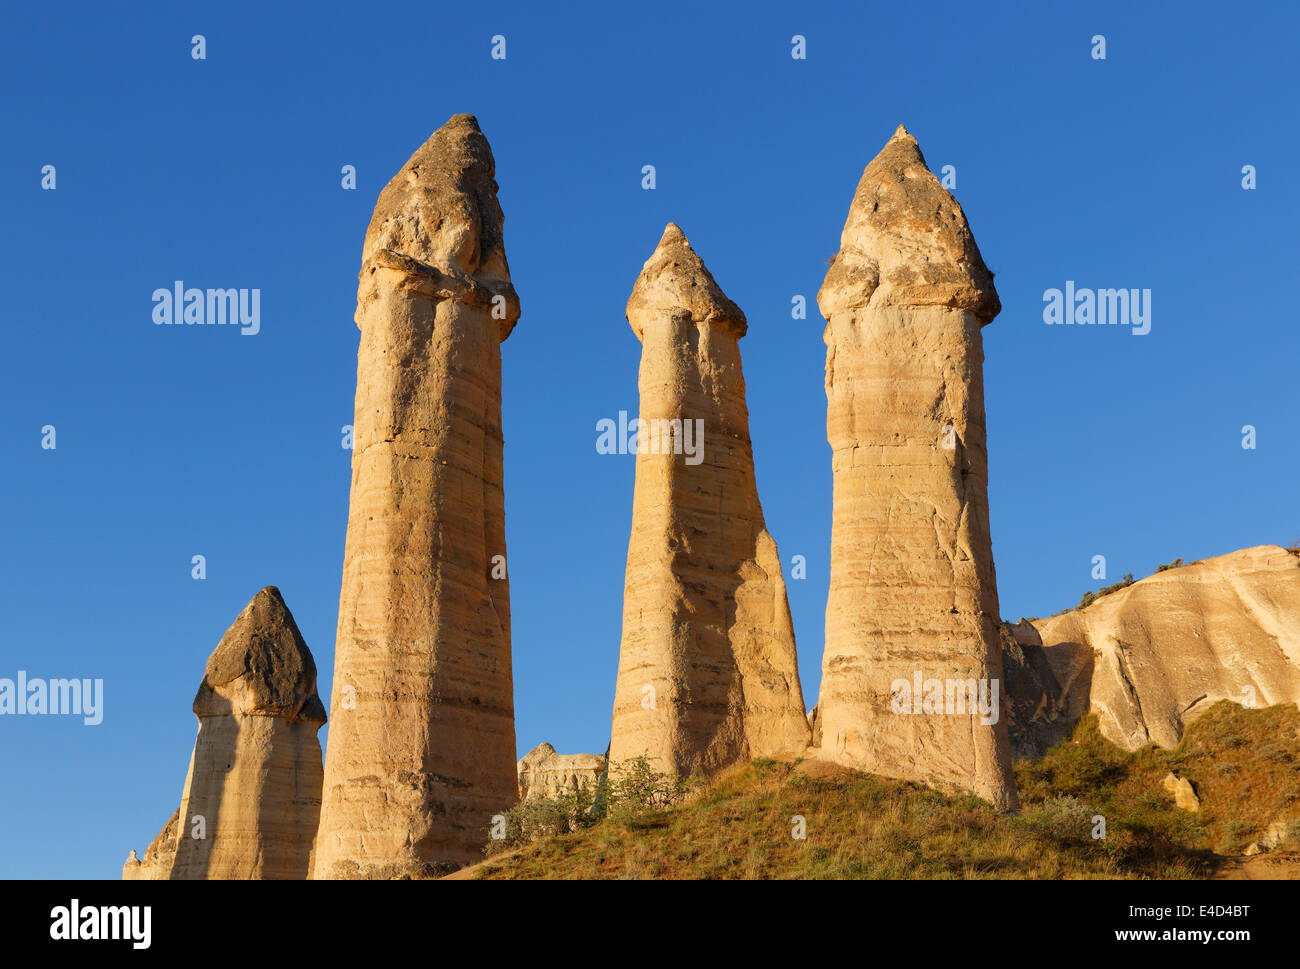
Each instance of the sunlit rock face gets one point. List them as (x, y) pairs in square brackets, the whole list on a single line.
[(913, 597), (421, 751), (707, 670), (252, 796)]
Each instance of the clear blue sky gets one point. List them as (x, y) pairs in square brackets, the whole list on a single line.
[(176, 441)]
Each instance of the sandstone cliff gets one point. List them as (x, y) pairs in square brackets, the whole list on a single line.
[(707, 671), (913, 596), (421, 752), (251, 802), (1149, 658)]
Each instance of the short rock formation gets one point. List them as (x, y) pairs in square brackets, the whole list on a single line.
[(421, 752), (707, 670), (913, 597), (156, 865), (1181, 790), (1149, 658), (252, 797), (544, 773)]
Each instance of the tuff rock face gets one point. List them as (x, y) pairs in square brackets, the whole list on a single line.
[(422, 749), (1032, 699), (1148, 659), (156, 865), (913, 596), (707, 672), (544, 773), (252, 796)]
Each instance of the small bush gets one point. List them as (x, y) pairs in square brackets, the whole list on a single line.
[(1275, 752), (634, 793), (636, 789), (544, 817), (1063, 818), (1090, 597)]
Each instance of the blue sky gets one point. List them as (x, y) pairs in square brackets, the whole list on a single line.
[(177, 441)]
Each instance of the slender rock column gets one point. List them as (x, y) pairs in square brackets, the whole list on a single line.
[(913, 604), (707, 671), (421, 750)]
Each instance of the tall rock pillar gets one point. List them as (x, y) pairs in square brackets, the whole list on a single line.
[(913, 606), (707, 673), (421, 750)]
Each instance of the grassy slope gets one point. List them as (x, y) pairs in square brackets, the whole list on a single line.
[(1245, 765)]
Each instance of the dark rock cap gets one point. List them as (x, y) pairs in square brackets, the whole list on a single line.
[(261, 667)]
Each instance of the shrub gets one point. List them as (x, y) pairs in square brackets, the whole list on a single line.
[(1062, 818), (544, 817), (1090, 597), (637, 789)]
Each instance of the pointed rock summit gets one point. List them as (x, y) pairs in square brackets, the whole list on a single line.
[(421, 753), (707, 671), (906, 243), (913, 605), (252, 797)]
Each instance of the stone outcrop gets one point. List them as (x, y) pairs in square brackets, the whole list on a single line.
[(1032, 699), (913, 596), (252, 797), (1149, 658), (707, 673), (156, 865), (544, 773), (1181, 790), (421, 752)]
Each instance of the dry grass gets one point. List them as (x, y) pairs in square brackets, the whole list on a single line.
[(1245, 765)]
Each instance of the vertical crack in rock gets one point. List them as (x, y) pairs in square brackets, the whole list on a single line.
[(421, 752), (912, 580), (252, 797), (707, 669)]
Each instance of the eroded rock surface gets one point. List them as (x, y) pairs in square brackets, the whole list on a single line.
[(707, 669), (913, 595), (544, 773), (1149, 658), (421, 752), (252, 796)]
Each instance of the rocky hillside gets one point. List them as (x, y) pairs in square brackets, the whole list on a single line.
[(1240, 767), (1150, 658)]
